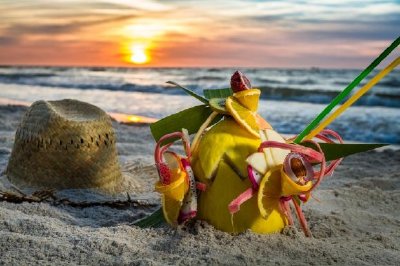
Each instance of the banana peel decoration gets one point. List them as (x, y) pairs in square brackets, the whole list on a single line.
[(238, 173), (176, 184)]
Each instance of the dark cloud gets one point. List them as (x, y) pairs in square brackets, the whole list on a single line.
[(259, 39), (25, 5), (377, 29), (373, 27), (49, 52), (8, 40), (379, 20), (21, 29), (349, 34), (276, 17), (15, 34), (302, 18)]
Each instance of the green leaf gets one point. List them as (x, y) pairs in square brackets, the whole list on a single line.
[(191, 119), (217, 93), (155, 219), (190, 92), (335, 151)]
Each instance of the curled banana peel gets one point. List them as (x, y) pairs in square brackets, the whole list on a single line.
[(291, 188), (176, 185), (172, 196), (242, 106), (274, 185)]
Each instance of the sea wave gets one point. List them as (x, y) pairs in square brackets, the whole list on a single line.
[(326, 96), (391, 82), (209, 78), (312, 86), (14, 77), (268, 81)]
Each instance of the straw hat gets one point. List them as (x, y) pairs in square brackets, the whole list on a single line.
[(66, 144)]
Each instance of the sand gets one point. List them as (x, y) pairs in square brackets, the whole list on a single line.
[(356, 220)]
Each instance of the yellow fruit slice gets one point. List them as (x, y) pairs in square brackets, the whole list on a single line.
[(172, 196), (248, 98), (243, 116), (290, 188), (262, 124), (171, 210), (269, 191), (176, 189)]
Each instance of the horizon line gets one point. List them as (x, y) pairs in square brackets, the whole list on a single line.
[(174, 67)]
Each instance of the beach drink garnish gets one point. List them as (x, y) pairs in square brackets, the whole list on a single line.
[(238, 173)]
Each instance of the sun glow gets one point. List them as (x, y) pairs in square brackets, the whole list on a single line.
[(139, 39), (138, 54)]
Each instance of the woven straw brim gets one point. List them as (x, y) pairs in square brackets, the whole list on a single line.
[(66, 144)]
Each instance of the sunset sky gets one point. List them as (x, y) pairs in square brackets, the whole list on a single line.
[(196, 33)]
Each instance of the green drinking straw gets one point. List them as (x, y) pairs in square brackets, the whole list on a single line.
[(347, 91)]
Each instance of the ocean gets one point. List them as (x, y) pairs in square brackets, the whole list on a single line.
[(291, 98)]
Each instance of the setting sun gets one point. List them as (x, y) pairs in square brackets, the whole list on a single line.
[(138, 55)]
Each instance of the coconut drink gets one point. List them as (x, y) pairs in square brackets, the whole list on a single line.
[(236, 172), (220, 163), (222, 159)]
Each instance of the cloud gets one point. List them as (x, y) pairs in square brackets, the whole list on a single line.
[(213, 33), (62, 28), (52, 52), (322, 28), (8, 40), (351, 33)]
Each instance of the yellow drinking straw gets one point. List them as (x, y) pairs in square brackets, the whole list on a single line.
[(354, 98)]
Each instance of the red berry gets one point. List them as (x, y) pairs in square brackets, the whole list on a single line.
[(239, 82), (164, 173)]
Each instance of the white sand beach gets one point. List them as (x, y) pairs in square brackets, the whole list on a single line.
[(354, 218)]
